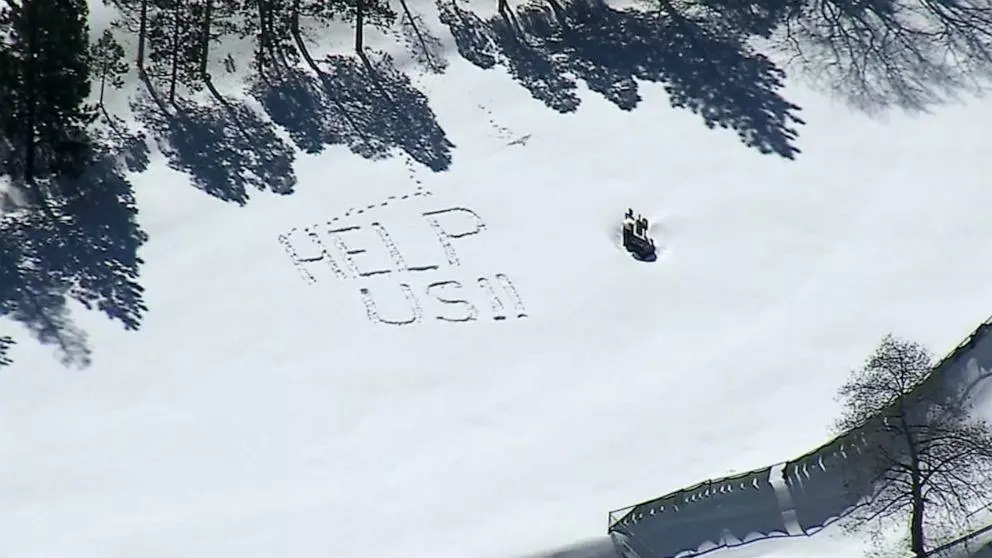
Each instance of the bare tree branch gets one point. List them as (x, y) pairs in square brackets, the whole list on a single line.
[(927, 460)]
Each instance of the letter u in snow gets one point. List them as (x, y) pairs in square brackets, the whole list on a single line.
[(415, 312)]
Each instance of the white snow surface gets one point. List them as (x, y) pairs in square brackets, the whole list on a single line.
[(256, 414)]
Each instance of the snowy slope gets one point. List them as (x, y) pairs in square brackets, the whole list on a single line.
[(259, 412)]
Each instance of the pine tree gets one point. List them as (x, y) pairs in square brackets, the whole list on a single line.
[(45, 72), (173, 48), (269, 23), (213, 21), (8, 77), (133, 18), (109, 65), (376, 13), (412, 22)]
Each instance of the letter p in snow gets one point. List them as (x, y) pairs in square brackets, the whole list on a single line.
[(451, 223)]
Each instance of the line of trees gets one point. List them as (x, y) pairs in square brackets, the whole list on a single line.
[(60, 141), (174, 37), (47, 64), (54, 82)]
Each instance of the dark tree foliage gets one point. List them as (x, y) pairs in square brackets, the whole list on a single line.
[(213, 21), (302, 17), (84, 251), (44, 67), (173, 47), (269, 24), (128, 14), (705, 64), (133, 19), (376, 13), (174, 41), (428, 47), (73, 234), (108, 65)]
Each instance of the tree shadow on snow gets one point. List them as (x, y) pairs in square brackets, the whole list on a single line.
[(298, 104), (531, 61), (882, 54), (705, 68), (226, 150), (425, 48), (86, 250), (372, 115)]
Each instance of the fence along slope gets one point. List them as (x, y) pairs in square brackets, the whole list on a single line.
[(793, 498)]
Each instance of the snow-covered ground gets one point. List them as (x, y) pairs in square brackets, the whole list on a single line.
[(261, 411)]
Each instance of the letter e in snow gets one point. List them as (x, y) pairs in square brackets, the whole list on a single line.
[(349, 253)]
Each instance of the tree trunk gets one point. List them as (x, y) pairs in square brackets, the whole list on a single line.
[(294, 30), (205, 75), (669, 10), (509, 16), (263, 36), (360, 50), (277, 48), (140, 62), (30, 119), (917, 536), (205, 39), (420, 37), (103, 77), (294, 27), (142, 30), (151, 90), (205, 50), (360, 33), (175, 53), (103, 86)]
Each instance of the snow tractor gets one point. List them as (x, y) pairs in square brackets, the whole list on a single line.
[(635, 237)]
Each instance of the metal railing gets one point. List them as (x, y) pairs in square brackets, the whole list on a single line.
[(726, 512)]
